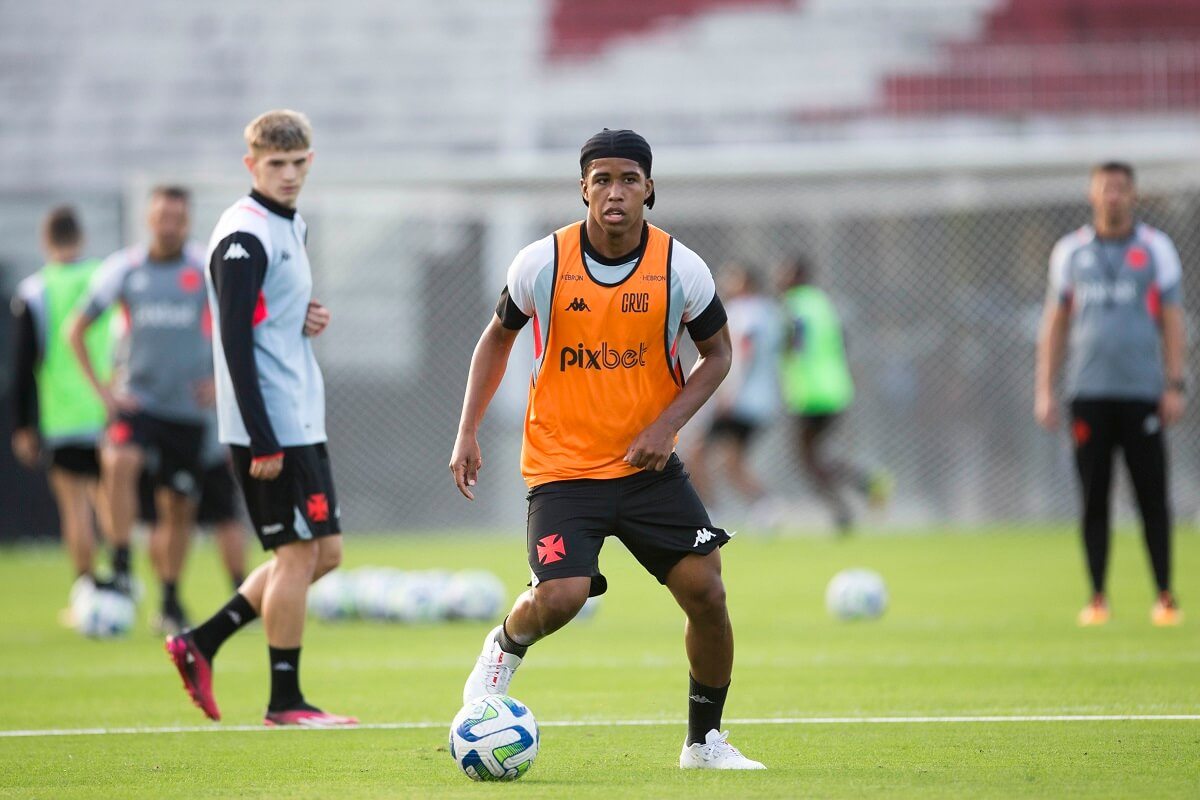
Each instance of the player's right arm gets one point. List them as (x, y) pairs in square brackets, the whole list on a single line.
[(1052, 338), (238, 274), (488, 364), (25, 442), (106, 288)]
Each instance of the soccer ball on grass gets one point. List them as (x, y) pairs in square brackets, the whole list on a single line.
[(494, 738)]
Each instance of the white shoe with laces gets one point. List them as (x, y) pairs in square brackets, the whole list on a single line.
[(715, 753), (493, 670)]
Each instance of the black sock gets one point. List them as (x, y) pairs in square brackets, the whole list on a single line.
[(507, 644), (120, 560), (705, 705), (285, 680), (220, 626), (170, 596)]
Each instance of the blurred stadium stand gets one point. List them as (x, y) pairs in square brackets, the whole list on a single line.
[(927, 152)]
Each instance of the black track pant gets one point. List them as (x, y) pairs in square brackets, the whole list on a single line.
[(1098, 427)]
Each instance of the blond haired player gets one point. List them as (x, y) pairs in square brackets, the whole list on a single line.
[(609, 298), (271, 412)]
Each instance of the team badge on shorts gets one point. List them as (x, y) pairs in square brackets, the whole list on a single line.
[(551, 548)]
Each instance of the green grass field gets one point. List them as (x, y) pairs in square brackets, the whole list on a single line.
[(981, 625)]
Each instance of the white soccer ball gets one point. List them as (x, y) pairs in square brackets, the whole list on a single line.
[(494, 738), (474, 594), (418, 597), (373, 588), (856, 594), (332, 597), (103, 613)]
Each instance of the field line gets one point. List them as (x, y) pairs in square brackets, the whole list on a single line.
[(620, 723)]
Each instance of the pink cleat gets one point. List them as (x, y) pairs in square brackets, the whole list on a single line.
[(196, 673), (308, 718)]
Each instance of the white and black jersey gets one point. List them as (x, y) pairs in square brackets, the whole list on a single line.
[(270, 392)]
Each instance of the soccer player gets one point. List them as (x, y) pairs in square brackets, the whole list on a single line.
[(57, 414), (217, 508), (748, 398), (1113, 309), (817, 389), (271, 411), (609, 298), (156, 407)]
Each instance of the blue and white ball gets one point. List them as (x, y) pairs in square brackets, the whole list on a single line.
[(474, 594), (494, 738), (856, 594), (103, 613), (332, 597)]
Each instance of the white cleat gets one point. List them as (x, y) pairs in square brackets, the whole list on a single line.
[(493, 670), (715, 753)]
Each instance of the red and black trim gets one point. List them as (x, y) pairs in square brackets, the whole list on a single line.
[(670, 342)]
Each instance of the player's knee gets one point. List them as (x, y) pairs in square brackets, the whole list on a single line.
[(706, 600), (297, 558), (558, 602), (329, 557)]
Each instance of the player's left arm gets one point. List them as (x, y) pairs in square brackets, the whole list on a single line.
[(653, 447), (317, 319), (1174, 334)]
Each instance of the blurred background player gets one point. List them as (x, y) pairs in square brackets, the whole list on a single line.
[(217, 508), (58, 416), (271, 411), (158, 403), (817, 389), (748, 399), (1113, 309), (602, 293)]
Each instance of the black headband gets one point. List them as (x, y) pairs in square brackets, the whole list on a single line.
[(617, 144)]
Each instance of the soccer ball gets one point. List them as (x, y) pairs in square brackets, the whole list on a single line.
[(417, 598), (856, 594), (332, 597), (494, 738), (103, 613), (474, 594)]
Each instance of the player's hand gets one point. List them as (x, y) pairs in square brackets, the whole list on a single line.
[(316, 319), (266, 468), (1170, 407), (465, 463), (26, 447), (1046, 411), (652, 448), (205, 392)]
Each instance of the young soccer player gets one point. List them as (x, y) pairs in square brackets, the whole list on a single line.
[(57, 414), (609, 298), (158, 406), (271, 412), (1113, 308)]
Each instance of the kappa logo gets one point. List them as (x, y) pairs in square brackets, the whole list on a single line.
[(284, 255), (577, 304), (283, 666), (234, 252), (268, 530), (702, 536), (699, 698)]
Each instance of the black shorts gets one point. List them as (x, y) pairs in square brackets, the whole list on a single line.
[(81, 461), (171, 449), (301, 504), (218, 501), (731, 426), (657, 516)]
